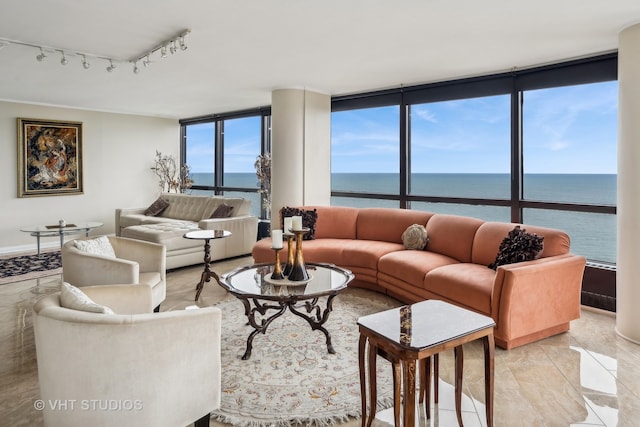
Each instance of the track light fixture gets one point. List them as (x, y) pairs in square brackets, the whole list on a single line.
[(174, 44), (41, 56)]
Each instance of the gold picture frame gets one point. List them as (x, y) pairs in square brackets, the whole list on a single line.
[(49, 158)]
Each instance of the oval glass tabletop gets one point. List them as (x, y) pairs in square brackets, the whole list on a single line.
[(254, 281)]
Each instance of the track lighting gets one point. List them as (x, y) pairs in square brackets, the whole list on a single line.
[(174, 44), (41, 56)]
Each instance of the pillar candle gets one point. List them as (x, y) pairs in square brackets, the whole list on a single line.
[(296, 222), (288, 224), (276, 239)]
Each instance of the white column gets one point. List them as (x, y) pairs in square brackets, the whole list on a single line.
[(628, 212), (301, 149)]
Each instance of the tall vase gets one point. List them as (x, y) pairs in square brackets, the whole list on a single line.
[(299, 271)]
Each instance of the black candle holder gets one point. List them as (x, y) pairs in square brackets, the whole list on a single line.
[(289, 265), (299, 271)]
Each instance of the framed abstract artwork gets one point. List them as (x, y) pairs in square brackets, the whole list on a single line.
[(49, 158)]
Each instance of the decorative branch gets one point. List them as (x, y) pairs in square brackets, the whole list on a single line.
[(263, 172), (171, 178)]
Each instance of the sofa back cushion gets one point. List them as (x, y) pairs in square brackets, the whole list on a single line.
[(387, 224), (490, 234), (453, 235), (335, 222), (184, 206)]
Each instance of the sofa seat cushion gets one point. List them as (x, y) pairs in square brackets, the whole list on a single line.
[(169, 234), (324, 250), (366, 253), (411, 266), (465, 284)]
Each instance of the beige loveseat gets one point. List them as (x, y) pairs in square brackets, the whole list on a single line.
[(528, 301), (191, 212)]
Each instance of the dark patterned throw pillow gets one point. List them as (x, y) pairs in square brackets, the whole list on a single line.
[(157, 207), (518, 246), (222, 211), (309, 218)]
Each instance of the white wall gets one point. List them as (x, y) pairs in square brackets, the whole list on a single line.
[(119, 151)]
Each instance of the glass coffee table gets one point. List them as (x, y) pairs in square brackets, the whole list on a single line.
[(39, 231), (265, 299)]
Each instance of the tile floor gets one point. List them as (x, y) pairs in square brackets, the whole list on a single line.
[(587, 377)]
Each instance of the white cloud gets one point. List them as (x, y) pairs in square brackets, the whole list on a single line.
[(425, 114)]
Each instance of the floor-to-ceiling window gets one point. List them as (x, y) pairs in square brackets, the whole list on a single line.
[(365, 156), (221, 151), (200, 153), (570, 156), (460, 148)]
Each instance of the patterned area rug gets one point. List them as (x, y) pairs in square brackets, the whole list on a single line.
[(290, 378), (24, 267)]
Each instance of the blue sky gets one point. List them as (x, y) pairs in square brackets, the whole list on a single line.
[(565, 130)]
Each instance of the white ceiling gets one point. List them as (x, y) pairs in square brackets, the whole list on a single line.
[(239, 51)]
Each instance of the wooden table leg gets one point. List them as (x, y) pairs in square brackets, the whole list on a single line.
[(396, 366), (459, 359), (409, 380), (373, 384), (206, 274), (436, 378), (425, 384), (362, 346), (489, 355)]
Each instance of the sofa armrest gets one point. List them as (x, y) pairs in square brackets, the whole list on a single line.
[(125, 211), (538, 295)]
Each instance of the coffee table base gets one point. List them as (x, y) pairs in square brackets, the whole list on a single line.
[(313, 314)]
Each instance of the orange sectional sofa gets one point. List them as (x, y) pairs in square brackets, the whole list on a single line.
[(529, 300)]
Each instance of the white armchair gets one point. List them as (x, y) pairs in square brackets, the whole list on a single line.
[(126, 369), (136, 262)]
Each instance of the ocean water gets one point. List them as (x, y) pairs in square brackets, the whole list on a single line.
[(592, 235)]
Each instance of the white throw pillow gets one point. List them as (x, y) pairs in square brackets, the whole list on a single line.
[(98, 246), (73, 298)]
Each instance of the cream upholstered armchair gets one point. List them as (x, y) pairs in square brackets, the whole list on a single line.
[(131, 368), (114, 260)]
